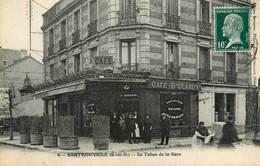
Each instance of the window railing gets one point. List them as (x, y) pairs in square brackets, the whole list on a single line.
[(132, 66), (51, 49), (62, 43), (172, 21), (205, 74), (92, 28), (174, 72), (204, 28), (76, 36), (126, 17), (231, 77)]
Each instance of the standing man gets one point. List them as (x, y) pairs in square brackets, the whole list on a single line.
[(165, 128), (114, 127), (131, 129)]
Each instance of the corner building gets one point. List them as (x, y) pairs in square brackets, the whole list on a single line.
[(149, 56)]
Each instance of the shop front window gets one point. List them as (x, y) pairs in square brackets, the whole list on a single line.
[(224, 106), (175, 105)]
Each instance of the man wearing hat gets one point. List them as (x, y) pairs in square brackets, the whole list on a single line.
[(165, 128)]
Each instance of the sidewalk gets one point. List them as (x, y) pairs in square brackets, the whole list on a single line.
[(86, 145)]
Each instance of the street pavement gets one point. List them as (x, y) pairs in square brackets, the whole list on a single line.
[(243, 155), (86, 145), (178, 152)]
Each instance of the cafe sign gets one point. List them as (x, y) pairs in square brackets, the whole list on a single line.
[(103, 60), (173, 84)]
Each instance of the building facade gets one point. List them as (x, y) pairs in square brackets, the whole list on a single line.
[(13, 76), (149, 56), (9, 56)]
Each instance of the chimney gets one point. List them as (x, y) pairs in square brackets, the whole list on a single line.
[(23, 53)]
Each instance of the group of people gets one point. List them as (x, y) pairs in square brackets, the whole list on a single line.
[(127, 126)]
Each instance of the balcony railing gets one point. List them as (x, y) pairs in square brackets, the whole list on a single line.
[(204, 28), (172, 21), (76, 36), (132, 66), (174, 72), (205, 74), (126, 17), (51, 49), (231, 77), (92, 28), (62, 43)]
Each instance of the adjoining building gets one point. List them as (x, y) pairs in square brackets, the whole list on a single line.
[(149, 56), (19, 66)]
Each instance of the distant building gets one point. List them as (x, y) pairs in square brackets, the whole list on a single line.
[(14, 74), (9, 56), (149, 56)]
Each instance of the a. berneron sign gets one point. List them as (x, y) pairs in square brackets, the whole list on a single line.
[(173, 84)]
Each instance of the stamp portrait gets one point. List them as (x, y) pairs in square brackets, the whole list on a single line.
[(232, 29)]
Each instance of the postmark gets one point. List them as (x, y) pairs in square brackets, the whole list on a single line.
[(232, 29)]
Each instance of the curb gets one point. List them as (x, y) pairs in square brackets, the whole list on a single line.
[(117, 151), (21, 146)]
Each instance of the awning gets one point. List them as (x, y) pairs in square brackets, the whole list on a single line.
[(61, 89)]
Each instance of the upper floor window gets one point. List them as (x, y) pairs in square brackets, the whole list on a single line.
[(173, 54), (204, 12), (92, 26), (63, 29), (127, 13), (77, 63), (231, 68), (51, 71), (93, 53), (51, 37), (204, 64), (4, 62), (171, 15), (204, 23), (204, 58), (172, 7), (128, 54), (127, 5), (93, 10), (76, 21), (63, 67), (231, 62)]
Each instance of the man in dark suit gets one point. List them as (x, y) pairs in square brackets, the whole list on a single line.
[(165, 128), (131, 129)]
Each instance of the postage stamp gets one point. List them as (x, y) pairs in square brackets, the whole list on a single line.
[(232, 29)]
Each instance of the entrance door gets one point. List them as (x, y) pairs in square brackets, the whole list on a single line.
[(76, 110)]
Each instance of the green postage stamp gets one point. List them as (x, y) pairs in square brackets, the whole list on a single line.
[(232, 29)]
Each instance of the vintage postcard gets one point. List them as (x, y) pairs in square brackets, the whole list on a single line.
[(129, 82)]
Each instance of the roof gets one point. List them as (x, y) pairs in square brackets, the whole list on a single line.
[(19, 61)]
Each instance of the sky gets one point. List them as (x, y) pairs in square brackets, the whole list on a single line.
[(14, 26)]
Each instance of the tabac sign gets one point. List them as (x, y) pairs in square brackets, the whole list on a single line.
[(174, 84)]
